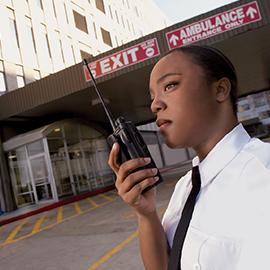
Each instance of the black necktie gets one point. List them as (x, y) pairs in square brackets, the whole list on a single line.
[(181, 231)]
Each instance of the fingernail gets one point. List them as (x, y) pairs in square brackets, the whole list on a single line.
[(156, 178), (154, 170), (147, 160)]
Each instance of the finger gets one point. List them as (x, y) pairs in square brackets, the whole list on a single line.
[(135, 178), (134, 195), (112, 161), (131, 165)]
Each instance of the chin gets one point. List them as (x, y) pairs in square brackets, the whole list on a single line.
[(175, 143), (171, 143)]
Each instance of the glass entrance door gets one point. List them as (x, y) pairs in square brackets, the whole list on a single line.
[(20, 175), (40, 176)]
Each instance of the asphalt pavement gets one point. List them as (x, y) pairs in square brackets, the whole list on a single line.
[(98, 232)]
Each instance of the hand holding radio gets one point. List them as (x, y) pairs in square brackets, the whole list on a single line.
[(132, 179)]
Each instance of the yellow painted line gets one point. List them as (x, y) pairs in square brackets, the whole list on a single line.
[(59, 214), (52, 225), (14, 232), (38, 224), (2, 228), (93, 203), (106, 197), (110, 253), (77, 208)]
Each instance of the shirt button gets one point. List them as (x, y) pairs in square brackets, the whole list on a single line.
[(196, 266)]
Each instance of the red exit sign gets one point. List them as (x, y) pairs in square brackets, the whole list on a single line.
[(214, 25), (127, 57)]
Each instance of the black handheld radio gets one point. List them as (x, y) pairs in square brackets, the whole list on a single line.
[(126, 135)]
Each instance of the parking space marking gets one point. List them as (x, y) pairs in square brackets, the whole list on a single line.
[(128, 216), (59, 214), (114, 250), (59, 219), (78, 208), (14, 232), (106, 197), (38, 224), (93, 203), (2, 228)]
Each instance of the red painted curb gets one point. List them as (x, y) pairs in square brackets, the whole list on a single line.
[(57, 204)]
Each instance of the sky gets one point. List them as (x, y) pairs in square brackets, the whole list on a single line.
[(180, 10)]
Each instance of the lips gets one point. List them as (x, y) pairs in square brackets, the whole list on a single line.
[(161, 123)]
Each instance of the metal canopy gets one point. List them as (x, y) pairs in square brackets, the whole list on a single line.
[(66, 94)]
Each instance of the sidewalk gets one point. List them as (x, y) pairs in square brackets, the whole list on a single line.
[(176, 170)]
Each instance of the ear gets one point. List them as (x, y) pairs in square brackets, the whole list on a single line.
[(223, 89)]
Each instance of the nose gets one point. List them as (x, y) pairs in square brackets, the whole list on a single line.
[(157, 105)]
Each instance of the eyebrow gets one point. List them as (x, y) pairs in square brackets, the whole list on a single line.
[(164, 77), (167, 75)]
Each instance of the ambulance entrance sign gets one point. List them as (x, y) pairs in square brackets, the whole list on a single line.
[(214, 25)]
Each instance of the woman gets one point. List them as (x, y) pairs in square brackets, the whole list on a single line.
[(193, 91)]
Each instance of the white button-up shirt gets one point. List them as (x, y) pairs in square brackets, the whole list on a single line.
[(230, 226)]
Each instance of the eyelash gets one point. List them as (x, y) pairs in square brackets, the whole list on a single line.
[(173, 84)]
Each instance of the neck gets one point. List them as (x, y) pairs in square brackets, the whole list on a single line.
[(209, 143)]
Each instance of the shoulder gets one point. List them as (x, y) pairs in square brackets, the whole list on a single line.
[(255, 174), (259, 151)]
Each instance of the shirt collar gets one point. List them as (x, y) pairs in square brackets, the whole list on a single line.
[(222, 153)]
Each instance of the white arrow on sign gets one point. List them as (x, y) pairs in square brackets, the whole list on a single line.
[(174, 39), (250, 12)]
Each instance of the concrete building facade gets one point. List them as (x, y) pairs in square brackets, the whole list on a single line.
[(41, 37)]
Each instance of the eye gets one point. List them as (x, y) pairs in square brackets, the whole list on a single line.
[(170, 86)]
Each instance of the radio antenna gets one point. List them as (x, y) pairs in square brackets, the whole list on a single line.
[(108, 113)]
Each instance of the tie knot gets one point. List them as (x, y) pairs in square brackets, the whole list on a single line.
[(196, 178)]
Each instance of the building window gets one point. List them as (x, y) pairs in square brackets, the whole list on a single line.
[(45, 42), (123, 23), (80, 21), (31, 43), (48, 45), (85, 55), (66, 13), (128, 25), (13, 31), (100, 5), (60, 46), (1, 54), (136, 11), (95, 29), (133, 29), (106, 37), (116, 40), (54, 9), (37, 75), (39, 4), (116, 15), (70, 56), (30, 36), (20, 77), (110, 9), (3, 87), (9, 2), (13, 40)]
